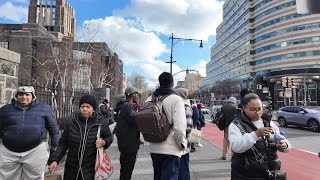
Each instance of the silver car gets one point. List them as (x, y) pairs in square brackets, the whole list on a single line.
[(299, 116)]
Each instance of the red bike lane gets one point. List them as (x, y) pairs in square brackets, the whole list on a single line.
[(298, 164)]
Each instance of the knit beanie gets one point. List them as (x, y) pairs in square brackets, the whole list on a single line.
[(166, 80), (90, 100)]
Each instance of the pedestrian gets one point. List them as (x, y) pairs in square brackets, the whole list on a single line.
[(195, 120), (184, 172), (127, 133), (229, 110), (253, 142), (23, 127), (106, 111), (201, 122), (265, 113), (166, 155), (79, 139)]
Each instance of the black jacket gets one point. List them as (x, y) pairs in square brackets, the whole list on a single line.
[(126, 130), (195, 115), (81, 134), (244, 165)]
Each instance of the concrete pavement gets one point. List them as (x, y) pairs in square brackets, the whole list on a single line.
[(206, 164)]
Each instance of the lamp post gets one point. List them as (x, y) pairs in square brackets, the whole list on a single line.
[(173, 42), (305, 85), (185, 70)]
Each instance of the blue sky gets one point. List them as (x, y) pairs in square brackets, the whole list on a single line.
[(139, 30)]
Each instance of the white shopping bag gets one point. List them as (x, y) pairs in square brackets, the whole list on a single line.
[(103, 167)]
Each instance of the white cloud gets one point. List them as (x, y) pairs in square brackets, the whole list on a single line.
[(11, 12), (189, 18), (133, 32), (136, 48), (201, 67)]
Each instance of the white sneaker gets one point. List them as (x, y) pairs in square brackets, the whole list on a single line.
[(199, 145)]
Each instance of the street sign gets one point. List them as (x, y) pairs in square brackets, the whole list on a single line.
[(288, 93), (212, 95)]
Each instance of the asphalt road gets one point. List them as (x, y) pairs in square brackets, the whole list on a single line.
[(300, 138)]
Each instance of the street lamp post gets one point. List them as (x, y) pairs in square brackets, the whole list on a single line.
[(185, 70), (174, 43), (305, 85)]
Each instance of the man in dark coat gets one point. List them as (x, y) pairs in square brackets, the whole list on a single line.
[(106, 112), (23, 127), (127, 133)]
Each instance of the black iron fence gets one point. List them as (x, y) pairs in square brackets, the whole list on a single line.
[(64, 103)]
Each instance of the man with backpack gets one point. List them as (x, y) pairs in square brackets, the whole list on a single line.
[(166, 154), (228, 110), (127, 133)]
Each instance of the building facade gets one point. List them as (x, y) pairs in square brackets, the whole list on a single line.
[(51, 56), (57, 16), (261, 42), (192, 82), (9, 63)]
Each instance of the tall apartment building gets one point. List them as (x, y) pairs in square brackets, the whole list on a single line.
[(261, 42), (57, 16)]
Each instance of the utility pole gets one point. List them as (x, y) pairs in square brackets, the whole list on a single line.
[(173, 43)]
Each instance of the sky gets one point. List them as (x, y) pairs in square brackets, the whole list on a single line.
[(139, 31)]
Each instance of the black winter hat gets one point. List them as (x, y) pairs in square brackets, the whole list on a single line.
[(90, 100), (166, 80)]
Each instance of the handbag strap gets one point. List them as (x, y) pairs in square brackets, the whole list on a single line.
[(258, 156), (98, 133)]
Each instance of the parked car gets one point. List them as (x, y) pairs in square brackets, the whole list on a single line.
[(205, 110), (299, 116)]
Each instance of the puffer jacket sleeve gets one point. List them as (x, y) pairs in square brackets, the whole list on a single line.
[(63, 146), (52, 126), (106, 134)]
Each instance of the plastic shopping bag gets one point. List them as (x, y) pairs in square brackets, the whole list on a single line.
[(103, 167), (195, 136)]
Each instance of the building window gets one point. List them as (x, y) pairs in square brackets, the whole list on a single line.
[(4, 44)]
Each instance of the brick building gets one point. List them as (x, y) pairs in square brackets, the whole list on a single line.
[(51, 56)]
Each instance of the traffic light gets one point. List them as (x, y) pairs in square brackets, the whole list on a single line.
[(289, 82), (284, 82)]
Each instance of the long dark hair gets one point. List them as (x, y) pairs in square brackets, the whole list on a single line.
[(248, 97)]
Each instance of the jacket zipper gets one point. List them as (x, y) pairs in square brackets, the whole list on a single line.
[(23, 113)]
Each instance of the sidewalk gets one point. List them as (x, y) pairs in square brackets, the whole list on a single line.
[(205, 163)]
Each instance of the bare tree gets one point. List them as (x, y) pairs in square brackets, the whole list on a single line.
[(226, 87), (137, 80)]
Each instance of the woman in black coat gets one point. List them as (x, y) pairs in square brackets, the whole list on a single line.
[(80, 140)]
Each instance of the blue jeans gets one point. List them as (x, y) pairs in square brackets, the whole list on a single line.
[(165, 167), (184, 173)]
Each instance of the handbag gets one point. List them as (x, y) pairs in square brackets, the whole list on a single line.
[(195, 135), (103, 166)]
